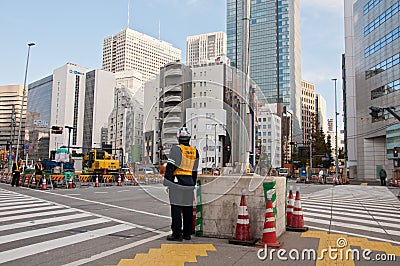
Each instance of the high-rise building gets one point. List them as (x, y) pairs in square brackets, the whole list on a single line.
[(275, 59), (373, 62), (200, 48), (80, 99), (38, 118), (307, 110), (320, 111), (10, 113), (130, 49)]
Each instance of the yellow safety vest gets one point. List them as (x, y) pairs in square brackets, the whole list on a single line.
[(16, 167), (187, 162)]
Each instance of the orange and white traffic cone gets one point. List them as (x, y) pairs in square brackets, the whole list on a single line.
[(242, 235), (269, 232), (119, 181), (44, 187), (33, 185), (297, 223), (70, 184), (26, 182), (96, 184), (289, 208), (134, 182)]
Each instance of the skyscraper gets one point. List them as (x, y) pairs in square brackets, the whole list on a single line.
[(130, 49), (275, 57), (200, 48)]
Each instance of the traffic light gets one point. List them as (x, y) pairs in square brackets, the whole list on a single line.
[(293, 143), (375, 112), (396, 152), (228, 148), (56, 130)]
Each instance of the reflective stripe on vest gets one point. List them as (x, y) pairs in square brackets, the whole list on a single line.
[(187, 162)]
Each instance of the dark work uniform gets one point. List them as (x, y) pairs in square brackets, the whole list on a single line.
[(16, 174), (180, 177), (383, 175)]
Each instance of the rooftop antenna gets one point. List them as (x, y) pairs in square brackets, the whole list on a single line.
[(129, 3)]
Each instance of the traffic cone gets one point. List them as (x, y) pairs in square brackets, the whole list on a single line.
[(26, 182), (269, 232), (243, 236), (119, 181), (289, 209), (133, 180), (70, 184), (44, 187), (33, 185), (297, 223), (96, 184)]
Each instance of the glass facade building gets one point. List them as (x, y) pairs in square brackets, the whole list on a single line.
[(275, 52), (376, 47)]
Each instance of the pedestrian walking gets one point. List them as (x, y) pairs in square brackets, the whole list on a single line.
[(16, 173), (180, 178), (383, 175)]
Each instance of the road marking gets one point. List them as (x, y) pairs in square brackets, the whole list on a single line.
[(50, 230), (43, 221), (29, 210), (97, 192), (73, 194), (126, 190), (332, 241), (36, 204), (359, 207), (170, 254), (365, 205), (32, 215), (353, 226), (108, 205), (34, 249), (116, 250), (17, 203)]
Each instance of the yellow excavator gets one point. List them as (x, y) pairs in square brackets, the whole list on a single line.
[(100, 162)]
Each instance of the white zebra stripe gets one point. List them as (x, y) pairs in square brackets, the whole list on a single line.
[(34, 249)]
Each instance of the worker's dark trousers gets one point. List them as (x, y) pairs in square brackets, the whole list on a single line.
[(15, 179), (383, 181), (176, 225)]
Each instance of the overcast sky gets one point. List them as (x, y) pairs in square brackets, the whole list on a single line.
[(73, 31)]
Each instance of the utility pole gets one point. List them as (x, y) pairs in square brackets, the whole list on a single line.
[(69, 135), (311, 156), (336, 134), (215, 145)]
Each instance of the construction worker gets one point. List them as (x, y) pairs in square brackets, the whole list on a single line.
[(16, 173), (383, 175), (180, 178), (38, 169)]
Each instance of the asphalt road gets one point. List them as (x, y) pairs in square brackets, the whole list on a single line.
[(101, 226)]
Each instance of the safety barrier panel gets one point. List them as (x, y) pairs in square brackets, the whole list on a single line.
[(107, 179), (85, 178), (57, 177)]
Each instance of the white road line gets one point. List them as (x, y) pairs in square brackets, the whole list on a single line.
[(29, 210), (367, 215), (73, 194), (43, 221), (353, 205), (124, 190), (352, 226), (109, 205), (97, 192), (116, 250), (350, 219), (13, 207), (32, 215), (359, 209), (17, 203), (353, 234), (34, 249), (50, 230)]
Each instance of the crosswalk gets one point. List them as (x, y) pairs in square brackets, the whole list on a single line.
[(372, 212), (31, 227)]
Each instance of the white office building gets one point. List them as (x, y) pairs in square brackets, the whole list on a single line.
[(81, 100), (200, 48), (130, 49)]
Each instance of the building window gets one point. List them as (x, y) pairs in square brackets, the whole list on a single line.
[(205, 94)]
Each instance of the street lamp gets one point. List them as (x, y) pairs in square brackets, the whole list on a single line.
[(336, 134), (23, 100)]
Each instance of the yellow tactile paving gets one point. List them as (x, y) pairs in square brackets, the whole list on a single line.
[(332, 241), (170, 254)]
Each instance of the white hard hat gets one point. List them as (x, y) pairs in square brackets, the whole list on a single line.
[(183, 133)]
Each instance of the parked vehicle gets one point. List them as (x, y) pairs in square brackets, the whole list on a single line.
[(284, 172)]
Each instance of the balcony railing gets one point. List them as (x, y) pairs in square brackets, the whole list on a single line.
[(173, 72), (173, 98)]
